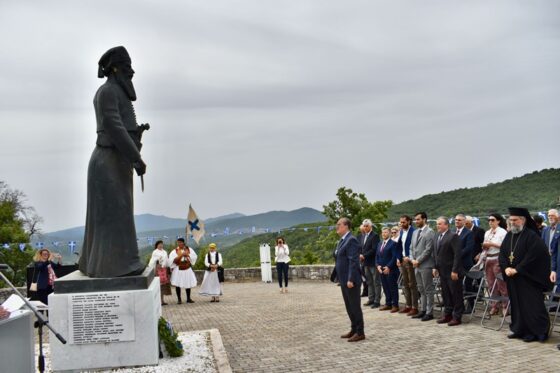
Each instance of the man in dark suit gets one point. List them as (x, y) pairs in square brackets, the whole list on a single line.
[(449, 267), (467, 248), (348, 271), (387, 254), (478, 236), (552, 231), (368, 241)]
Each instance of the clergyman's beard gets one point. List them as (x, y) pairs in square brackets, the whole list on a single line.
[(126, 84), (515, 229)]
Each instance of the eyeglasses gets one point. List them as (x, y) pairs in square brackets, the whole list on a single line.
[(491, 219)]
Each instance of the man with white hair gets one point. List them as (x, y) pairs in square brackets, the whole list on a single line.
[(525, 262), (368, 243), (553, 230), (478, 235)]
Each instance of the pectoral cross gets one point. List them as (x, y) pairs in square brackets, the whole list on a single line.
[(511, 257)]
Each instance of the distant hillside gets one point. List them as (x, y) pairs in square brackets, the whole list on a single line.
[(305, 247), (239, 225), (537, 191)]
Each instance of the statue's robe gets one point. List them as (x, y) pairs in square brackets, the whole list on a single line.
[(110, 248)]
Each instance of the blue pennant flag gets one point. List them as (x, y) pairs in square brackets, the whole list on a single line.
[(22, 246), (6, 246), (55, 243), (72, 246)]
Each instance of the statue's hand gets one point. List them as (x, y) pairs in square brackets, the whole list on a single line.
[(140, 167)]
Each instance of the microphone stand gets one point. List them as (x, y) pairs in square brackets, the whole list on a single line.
[(41, 320)]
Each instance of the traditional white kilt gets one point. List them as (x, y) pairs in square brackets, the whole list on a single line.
[(183, 279), (210, 284)]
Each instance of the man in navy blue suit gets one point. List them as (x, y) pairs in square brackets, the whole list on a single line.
[(387, 254), (552, 231), (467, 249), (348, 271)]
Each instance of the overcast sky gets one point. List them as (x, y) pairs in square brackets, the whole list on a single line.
[(273, 105)]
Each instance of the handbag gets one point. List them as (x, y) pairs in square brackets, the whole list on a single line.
[(162, 274), (33, 286)]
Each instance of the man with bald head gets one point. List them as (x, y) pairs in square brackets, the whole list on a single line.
[(553, 230)]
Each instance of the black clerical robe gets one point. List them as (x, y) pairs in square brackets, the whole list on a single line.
[(527, 253)]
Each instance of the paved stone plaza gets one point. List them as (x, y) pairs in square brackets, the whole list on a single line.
[(265, 331)]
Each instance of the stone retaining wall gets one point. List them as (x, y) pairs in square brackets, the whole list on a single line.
[(298, 272)]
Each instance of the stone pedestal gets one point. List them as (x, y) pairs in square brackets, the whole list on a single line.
[(105, 329)]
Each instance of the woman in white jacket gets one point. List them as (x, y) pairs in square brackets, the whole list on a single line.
[(159, 260), (282, 258)]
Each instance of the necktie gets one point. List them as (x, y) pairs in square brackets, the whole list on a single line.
[(365, 238), (383, 246), (418, 237)]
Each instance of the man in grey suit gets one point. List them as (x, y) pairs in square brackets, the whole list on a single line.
[(421, 253)]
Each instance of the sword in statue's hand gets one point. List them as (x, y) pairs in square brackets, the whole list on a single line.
[(140, 168)]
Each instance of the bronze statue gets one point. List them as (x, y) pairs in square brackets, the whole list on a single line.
[(110, 248)]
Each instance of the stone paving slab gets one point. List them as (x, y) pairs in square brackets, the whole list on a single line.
[(265, 331)]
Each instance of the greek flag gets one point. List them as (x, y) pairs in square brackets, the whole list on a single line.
[(39, 245), (22, 246), (72, 246), (476, 221), (6, 246), (543, 215), (55, 243)]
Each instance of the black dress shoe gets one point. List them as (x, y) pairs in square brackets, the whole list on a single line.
[(368, 303), (427, 318), (530, 338), (514, 336), (190, 301), (376, 305), (179, 301), (419, 316)]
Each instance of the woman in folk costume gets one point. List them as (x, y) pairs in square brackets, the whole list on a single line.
[(160, 260), (211, 284), (181, 261)]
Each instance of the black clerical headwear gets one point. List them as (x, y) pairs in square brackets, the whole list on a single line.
[(522, 211), (111, 58)]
